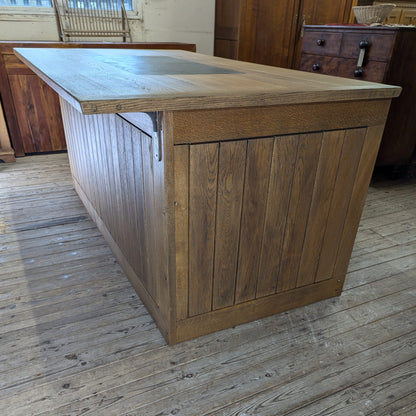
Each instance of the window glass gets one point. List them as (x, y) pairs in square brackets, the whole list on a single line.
[(81, 4)]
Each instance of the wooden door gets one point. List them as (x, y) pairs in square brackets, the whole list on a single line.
[(267, 32), (227, 22)]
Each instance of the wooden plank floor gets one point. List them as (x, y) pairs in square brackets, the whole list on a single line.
[(76, 340)]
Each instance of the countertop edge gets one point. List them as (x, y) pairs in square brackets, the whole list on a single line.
[(161, 103)]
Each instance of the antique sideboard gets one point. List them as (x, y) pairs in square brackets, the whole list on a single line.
[(379, 54)]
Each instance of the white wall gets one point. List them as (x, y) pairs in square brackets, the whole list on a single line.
[(162, 21)]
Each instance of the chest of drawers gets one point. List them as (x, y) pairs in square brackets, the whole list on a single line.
[(388, 55)]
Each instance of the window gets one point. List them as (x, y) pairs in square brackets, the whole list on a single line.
[(80, 4), (26, 3)]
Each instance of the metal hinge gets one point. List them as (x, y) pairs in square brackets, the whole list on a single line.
[(156, 136)]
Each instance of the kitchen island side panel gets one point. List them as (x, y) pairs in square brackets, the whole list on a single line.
[(121, 184), (279, 220), (258, 225)]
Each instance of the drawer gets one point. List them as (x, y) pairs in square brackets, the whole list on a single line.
[(321, 42), (380, 48), (374, 71)]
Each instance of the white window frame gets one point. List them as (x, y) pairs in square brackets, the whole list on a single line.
[(31, 14)]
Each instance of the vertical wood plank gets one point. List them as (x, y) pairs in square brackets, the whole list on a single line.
[(232, 158), (365, 168), (123, 134), (17, 86), (181, 172), (75, 138), (300, 199), (202, 207), (138, 192), (102, 161), (7, 97), (87, 146), (131, 220), (149, 211), (351, 151), (39, 126), (163, 194), (94, 177), (117, 196), (259, 156), (53, 114), (281, 176), (321, 201), (67, 125)]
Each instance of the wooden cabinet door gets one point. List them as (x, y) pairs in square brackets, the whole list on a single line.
[(38, 114), (227, 23), (326, 11), (31, 107), (268, 30)]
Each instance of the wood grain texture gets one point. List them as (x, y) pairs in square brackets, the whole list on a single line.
[(207, 125), (76, 336), (257, 41), (263, 31), (280, 185), (350, 156), (231, 170), (203, 174), (256, 184), (362, 180), (6, 151), (217, 231), (374, 71), (113, 85), (123, 187), (19, 84), (299, 207), (181, 169), (254, 309), (324, 186), (265, 216)]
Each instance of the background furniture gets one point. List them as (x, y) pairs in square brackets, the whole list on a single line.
[(228, 192), (98, 18), (389, 57), (31, 107), (6, 151), (269, 31), (404, 13)]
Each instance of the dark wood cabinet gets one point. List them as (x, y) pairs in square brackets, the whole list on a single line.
[(269, 31), (389, 57), (31, 107)]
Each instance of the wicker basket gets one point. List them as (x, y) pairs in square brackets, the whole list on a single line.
[(372, 14)]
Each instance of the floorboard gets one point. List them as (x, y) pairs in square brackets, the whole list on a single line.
[(76, 340)]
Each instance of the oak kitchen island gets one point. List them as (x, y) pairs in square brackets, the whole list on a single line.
[(228, 191)]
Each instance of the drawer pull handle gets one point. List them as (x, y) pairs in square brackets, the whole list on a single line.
[(316, 67), (320, 42), (364, 45), (358, 73)]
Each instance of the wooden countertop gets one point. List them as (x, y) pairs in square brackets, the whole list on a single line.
[(113, 81)]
